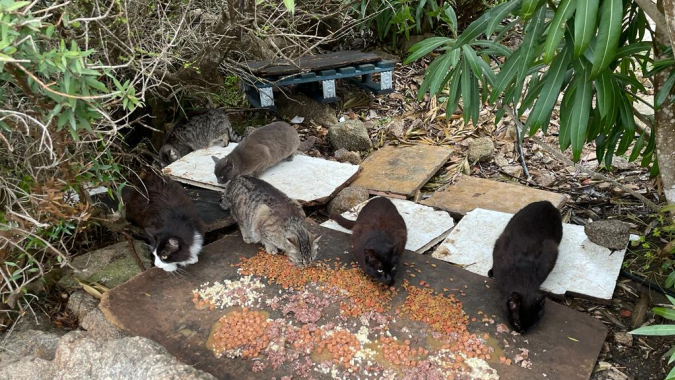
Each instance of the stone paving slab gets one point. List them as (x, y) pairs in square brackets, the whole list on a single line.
[(401, 170), (583, 267), (469, 193), (310, 180), (158, 305), (426, 226)]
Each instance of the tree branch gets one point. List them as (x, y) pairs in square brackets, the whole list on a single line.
[(653, 12)]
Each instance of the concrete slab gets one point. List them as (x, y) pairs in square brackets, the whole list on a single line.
[(401, 170), (564, 346), (583, 267), (469, 193), (310, 180), (426, 226)]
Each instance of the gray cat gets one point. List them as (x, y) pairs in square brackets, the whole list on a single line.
[(210, 128), (262, 149), (267, 215)]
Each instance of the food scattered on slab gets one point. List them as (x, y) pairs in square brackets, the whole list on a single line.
[(364, 342)]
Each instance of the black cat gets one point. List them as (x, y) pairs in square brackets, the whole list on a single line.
[(161, 207), (523, 257), (379, 235)]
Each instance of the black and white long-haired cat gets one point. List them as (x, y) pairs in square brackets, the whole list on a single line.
[(202, 130), (523, 256), (163, 210)]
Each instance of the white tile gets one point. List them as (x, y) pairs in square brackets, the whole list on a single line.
[(583, 267), (307, 179), (426, 226)]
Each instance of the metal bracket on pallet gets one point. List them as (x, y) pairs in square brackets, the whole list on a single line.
[(261, 94)]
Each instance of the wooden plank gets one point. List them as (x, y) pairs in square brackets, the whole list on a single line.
[(207, 203), (564, 346), (469, 193), (311, 63), (401, 170)]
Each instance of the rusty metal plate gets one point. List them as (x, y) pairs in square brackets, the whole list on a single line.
[(469, 193), (401, 170), (158, 305)]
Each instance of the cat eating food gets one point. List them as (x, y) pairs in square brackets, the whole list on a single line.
[(262, 149), (267, 215), (161, 207), (209, 128), (523, 257), (379, 235)]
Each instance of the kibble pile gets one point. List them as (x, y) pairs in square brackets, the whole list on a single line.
[(360, 344)]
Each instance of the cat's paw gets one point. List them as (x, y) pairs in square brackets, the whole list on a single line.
[(289, 158), (271, 249), (248, 239), (490, 273)]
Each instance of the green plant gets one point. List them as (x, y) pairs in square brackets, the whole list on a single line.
[(57, 134), (398, 19), (667, 312), (587, 51)]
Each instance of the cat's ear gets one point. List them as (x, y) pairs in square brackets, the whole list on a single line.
[(293, 240), (316, 239), (514, 302), (369, 254), (215, 159), (172, 243)]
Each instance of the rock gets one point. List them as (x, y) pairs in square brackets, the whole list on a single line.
[(501, 161), (80, 357), (546, 179), (613, 234), (351, 135), (39, 321), (513, 170), (623, 164), (623, 338), (40, 344), (110, 266), (303, 106), (481, 149), (80, 303), (347, 198), (343, 155), (98, 326)]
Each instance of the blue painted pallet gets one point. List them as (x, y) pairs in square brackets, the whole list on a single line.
[(260, 91)]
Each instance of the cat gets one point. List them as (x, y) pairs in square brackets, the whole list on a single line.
[(379, 235), (523, 256), (267, 215), (203, 130), (161, 207), (262, 149)]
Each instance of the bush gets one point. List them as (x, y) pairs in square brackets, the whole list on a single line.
[(57, 139)]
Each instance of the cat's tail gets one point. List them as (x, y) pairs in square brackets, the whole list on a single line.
[(346, 223), (307, 144)]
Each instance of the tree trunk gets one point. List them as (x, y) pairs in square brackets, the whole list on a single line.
[(664, 117)]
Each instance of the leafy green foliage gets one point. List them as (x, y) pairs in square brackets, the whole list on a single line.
[(585, 50), (58, 132), (668, 313)]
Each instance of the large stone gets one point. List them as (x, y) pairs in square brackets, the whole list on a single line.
[(81, 304), (613, 234), (347, 198), (40, 344), (110, 266), (350, 134), (303, 106), (481, 149), (98, 326), (80, 357)]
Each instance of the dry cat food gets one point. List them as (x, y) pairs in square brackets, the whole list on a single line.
[(357, 345), (241, 334)]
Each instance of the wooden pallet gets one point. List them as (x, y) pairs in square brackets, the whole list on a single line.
[(317, 75)]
